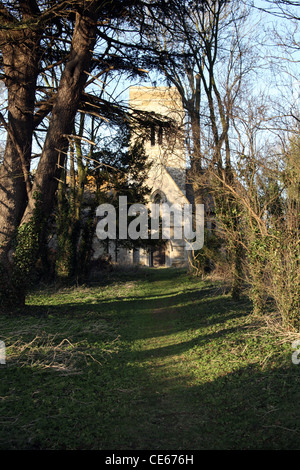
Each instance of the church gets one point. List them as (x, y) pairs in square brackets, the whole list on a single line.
[(166, 178)]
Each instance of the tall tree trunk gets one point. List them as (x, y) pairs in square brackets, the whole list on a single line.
[(193, 108), (63, 113), (20, 58)]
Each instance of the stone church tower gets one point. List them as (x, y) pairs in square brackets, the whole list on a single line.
[(165, 149)]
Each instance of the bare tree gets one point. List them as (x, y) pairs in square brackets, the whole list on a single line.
[(201, 50)]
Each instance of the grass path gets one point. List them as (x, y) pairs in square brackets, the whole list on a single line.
[(199, 380), (153, 361)]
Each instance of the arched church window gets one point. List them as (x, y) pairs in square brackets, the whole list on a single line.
[(158, 197)]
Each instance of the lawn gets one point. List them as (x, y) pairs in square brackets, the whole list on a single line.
[(145, 360)]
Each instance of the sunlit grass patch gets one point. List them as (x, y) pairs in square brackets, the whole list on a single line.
[(58, 344)]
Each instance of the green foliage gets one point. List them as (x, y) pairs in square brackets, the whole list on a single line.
[(274, 274), (7, 292), (27, 250), (85, 246), (229, 221), (67, 232), (27, 246), (273, 242), (209, 256), (284, 272), (257, 258), (123, 171), (257, 215)]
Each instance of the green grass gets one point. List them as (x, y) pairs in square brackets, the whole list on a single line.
[(151, 360)]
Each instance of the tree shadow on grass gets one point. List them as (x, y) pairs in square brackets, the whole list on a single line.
[(136, 399), (122, 406), (151, 317), (247, 409), (130, 402)]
